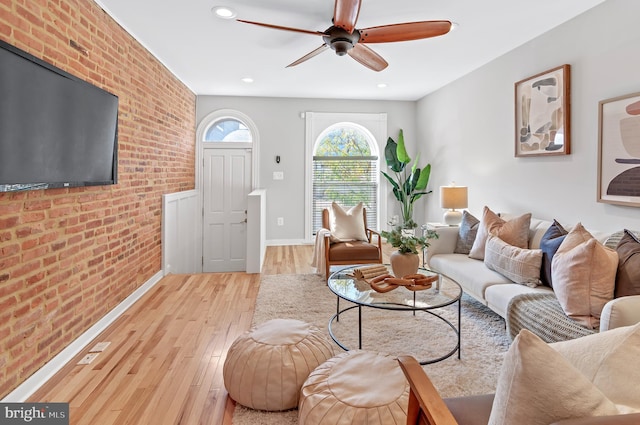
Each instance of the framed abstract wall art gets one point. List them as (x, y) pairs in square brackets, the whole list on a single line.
[(619, 150), (542, 113)]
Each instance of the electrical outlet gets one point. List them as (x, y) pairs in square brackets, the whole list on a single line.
[(278, 175), (280, 221), (88, 358)]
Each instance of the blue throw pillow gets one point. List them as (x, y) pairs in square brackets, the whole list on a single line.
[(549, 244)]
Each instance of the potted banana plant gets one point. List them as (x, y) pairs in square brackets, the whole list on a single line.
[(409, 183)]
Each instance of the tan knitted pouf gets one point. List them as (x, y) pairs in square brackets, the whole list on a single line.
[(266, 366), (355, 387)]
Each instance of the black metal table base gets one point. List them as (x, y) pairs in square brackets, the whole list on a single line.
[(402, 307)]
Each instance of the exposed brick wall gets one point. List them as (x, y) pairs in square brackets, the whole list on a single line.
[(68, 256)]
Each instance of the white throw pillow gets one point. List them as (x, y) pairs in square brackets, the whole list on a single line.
[(347, 225), (538, 386), (518, 264), (609, 359)]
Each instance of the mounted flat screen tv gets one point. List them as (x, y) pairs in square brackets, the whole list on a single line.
[(56, 130)]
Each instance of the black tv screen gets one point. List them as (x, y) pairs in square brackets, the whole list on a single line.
[(56, 130)]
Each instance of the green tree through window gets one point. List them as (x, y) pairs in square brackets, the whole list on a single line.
[(344, 142), (345, 171)]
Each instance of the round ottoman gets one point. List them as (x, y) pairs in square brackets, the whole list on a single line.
[(355, 387), (266, 366)]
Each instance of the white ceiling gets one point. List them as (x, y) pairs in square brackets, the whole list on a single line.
[(211, 55)]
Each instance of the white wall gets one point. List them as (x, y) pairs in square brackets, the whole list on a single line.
[(282, 132), (467, 127)]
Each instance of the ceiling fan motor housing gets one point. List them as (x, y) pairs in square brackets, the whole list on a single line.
[(340, 40)]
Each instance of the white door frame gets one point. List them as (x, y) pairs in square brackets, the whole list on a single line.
[(199, 163)]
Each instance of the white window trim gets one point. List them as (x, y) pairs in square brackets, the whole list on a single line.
[(315, 124), (201, 144)]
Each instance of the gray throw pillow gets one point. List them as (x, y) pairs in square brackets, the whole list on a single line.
[(628, 275), (467, 233)]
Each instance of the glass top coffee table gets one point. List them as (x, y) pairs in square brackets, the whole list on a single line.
[(359, 293)]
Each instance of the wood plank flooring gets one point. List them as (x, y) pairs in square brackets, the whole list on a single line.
[(164, 363)]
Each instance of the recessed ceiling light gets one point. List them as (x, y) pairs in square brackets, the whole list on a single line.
[(223, 12), (247, 80), (382, 85)]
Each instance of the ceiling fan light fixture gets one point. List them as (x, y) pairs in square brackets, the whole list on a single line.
[(341, 46), (223, 12)]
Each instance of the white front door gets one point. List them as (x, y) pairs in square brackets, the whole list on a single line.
[(226, 184)]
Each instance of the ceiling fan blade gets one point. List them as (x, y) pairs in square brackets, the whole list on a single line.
[(404, 32), (345, 14), (309, 55), (367, 57), (278, 27)]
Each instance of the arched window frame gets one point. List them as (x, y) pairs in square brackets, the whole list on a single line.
[(364, 164), (317, 122), (226, 119)]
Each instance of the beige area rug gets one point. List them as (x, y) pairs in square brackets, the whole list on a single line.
[(306, 297)]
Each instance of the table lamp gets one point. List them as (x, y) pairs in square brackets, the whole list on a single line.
[(453, 198)]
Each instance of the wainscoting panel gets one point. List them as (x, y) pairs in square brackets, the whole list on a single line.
[(180, 238), (256, 230)]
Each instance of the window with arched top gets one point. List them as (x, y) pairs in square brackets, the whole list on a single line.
[(227, 130), (345, 170)]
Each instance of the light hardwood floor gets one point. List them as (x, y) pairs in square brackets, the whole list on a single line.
[(164, 363)]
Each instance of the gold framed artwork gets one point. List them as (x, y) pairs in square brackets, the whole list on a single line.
[(619, 150), (542, 113)]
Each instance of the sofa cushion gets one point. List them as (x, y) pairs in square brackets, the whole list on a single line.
[(628, 275), (514, 232), (549, 244), (498, 297), (346, 225), (538, 386), (608, 360), (346, 251), (583, 272), (518, 264), (472, 274), (466, 233)]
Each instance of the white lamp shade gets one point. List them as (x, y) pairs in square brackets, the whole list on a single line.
[(452, 198)]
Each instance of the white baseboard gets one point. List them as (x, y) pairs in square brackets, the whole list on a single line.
[(46, 372), (284, 242)]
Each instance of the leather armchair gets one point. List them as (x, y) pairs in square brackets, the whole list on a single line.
[(352, 252), (426, 407)]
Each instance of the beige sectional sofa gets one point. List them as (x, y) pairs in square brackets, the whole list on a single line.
[(500, 293)]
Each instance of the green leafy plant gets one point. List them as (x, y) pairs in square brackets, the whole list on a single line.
[(409, 184), (407, 243)]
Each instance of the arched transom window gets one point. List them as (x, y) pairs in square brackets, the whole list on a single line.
[(345, 170), (227, 130)]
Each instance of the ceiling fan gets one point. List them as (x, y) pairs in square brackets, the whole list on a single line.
[(344, 38)]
